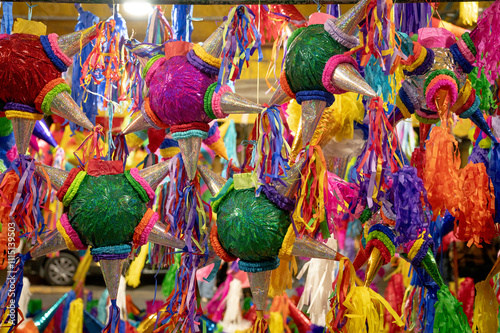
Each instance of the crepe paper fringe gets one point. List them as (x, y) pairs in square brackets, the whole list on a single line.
[(441, 178), (241, 40), (26, 200), (485, 308), (313, 187), (378, 159), (358, 309), (272, 149), (449, 316), (486, 38), (411, 205)]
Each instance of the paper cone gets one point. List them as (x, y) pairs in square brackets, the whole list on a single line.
[(44, 318), (299, 318), (154, 174), (442, 101), (431, 267), (375, 261), (57, 176), (70, 43), (424, 130), (42, 132), (23, 128), (347, 78), (259, 283), (91, 323), (292, 180), (231, 103), (279, 97), (111, 270), (137, 124), (190, 151), (63, 105), (478, 119), (311, 248), (159, 235), (214, 182), (53, 242), (213, 44), (348, 22), (312, 111)]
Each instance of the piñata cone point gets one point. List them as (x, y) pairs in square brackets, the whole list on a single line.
[(137, 124), (53, 242), (346, 77), (63, 105), (214, 182), (154, 174), (43, 319), (213, 44), (279, 97), (23, 129), (111, 270), (190, 151), (349, 21), (219, 148), (259, 283), (478, 119), (70, 43), (375, 261), (57, 176), (312, 111), (159, 235), (431, 267), (424, 130), (231, 103), (311, 248)]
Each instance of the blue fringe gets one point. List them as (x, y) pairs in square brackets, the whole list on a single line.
[(7, 19), (181, 22)]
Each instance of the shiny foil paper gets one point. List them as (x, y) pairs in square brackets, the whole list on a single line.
[(63, 105), (259, 283)]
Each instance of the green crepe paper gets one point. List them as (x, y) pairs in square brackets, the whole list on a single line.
[(106, 210), (307, 56), (251, 228), (2, 168), (168, 283), (5, 126), (449, 316), (483, 89)]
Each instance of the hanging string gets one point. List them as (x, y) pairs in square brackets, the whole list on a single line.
[(30, 10)]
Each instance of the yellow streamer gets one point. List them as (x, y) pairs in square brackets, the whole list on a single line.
[(75, 318), (133, 276)]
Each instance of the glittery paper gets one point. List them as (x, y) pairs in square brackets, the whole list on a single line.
[(111, 270), (154, 174), (311, 114), (311, 248), (53, 242), (307, 56), (23, 128), (57, 176), (177, 90), (70, 44), (259, 283), (231, 103), (190, 151), (63, 105), (106, 210), (159, 235), (24, 69), (137, 124), (213, 181), (251, 228)]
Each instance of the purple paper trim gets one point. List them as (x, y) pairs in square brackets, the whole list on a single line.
[(20, 107), (346, 40), (276, 198), (110, 256), (417, 260), (201, 65), (424, 66)]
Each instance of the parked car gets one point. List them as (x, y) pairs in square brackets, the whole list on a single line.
[(59, 270)]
